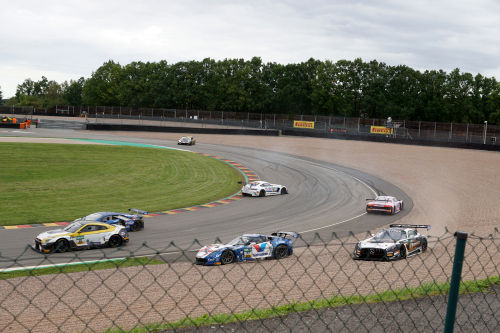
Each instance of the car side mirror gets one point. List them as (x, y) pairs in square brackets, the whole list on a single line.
[(247, 243)]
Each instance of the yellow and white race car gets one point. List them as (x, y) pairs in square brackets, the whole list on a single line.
[(81, 235)]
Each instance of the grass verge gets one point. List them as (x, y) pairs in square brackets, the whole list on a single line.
[(81, 267), (61, 182), (425, 290)]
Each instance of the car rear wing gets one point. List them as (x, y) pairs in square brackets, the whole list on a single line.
[(138, 211), (413, 226), (286, 234)]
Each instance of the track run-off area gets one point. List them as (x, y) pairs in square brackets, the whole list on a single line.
[(323, 197)]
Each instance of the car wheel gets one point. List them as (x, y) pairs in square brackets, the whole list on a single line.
[(424, 246), (262, 193), (392, 211), (401, 206), (402, 251), (283, 190), (61, 245), (115, 241), (135, 226), (227, 257), (280, 252)]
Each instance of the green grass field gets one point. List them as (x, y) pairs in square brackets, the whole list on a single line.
[(61, 182), (81, 267)]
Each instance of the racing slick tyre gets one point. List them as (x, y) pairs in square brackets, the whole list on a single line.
[(135, 227), (280, 252), (115, 241), (227, 257), (61, 246), (262, 193), (392, 211), (402, 252), (401, 206), (283, 190), (424, 246)]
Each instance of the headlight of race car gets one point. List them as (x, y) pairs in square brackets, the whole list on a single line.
[(390, 251), (123, 232)]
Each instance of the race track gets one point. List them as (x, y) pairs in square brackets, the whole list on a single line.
[(323, 198)]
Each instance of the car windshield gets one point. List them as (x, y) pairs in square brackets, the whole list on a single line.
[(389, 235), (73, 227), (241, 240), (93, 217), (185, 139)]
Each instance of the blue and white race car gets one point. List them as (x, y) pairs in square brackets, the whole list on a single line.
[(133, 222), (248, 247)]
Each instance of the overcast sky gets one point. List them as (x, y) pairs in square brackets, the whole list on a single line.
[(68, 39)]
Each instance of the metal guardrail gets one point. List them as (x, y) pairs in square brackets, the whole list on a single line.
[(318, 288)]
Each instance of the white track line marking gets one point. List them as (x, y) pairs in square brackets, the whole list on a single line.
[(331, 225)]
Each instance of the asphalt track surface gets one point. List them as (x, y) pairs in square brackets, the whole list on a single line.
[(323, 198)]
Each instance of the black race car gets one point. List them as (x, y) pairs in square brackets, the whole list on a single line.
[(396, 242)]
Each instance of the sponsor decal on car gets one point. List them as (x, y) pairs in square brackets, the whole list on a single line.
[(260, 247)]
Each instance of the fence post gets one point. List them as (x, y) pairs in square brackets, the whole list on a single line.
[(485, 131), (419, 123), (456, 273), (467, 133)]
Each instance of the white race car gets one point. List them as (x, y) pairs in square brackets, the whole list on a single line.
[(384, 204), (187, 141), (261, 189)]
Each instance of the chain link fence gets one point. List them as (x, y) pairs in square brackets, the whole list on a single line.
[(318, 288)]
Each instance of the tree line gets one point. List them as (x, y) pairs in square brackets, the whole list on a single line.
[(343, 88)]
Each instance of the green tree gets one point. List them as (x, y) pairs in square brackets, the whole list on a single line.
[(72, 91), (103, 87)]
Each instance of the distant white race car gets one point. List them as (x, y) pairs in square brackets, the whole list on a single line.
[(384, 204), (261, 189)]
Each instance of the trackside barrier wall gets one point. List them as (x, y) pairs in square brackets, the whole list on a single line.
[(318, 288), (194, 130)]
